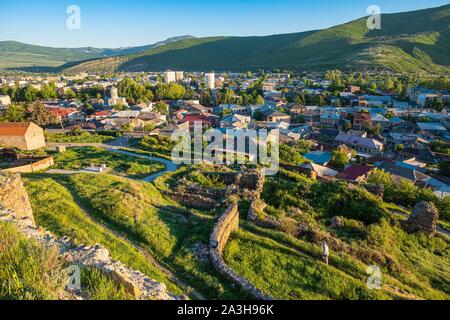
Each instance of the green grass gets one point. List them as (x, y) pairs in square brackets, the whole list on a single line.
[(55, 210), (205, 181), (288, 274), (132, 167), (84, 137), (32, 271), (139, 211), (96, 285), (290, 268), (29, 270), (413, 266)]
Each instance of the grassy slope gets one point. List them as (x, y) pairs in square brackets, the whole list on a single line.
[(136, 210), (32, 271), (15, 54), (412, 41), (289, 267), (55, 209)]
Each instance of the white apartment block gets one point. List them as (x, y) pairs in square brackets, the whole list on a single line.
[(210, 80)]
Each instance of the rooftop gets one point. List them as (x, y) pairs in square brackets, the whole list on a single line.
[(14, 128)]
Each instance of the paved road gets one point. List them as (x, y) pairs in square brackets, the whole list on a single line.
[(170, 166), (116, 146)]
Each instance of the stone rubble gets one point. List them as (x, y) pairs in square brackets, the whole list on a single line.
[(424, 218)]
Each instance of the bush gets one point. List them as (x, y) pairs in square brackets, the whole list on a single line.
[(338, 199)]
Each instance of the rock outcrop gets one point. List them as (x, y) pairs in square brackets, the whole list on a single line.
[(425, 218), (14, 196)]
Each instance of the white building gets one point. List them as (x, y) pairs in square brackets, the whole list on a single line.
[(179, 75), (210, 80), (170, 76), (5, 101), (115, 99)]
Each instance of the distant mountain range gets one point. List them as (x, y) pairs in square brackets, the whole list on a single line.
[(416, 41), (17, 55)]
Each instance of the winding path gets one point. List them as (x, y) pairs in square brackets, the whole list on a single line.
[(170, 166), (116, 147)]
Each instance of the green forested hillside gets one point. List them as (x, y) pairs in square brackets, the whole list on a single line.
[(407, 42), (15, 54)]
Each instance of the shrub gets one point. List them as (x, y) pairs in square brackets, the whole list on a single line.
[(338, 199)]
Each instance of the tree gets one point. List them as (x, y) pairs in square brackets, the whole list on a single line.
[(290, 155), (347, 126), (162, 108), (48, 91), (381, 177), (205, 97), (41, 116), (29, 94), (69, 94), (388, 85), (259, 100), (88, 109), (171, 91), (437, 104), (15, 113), (444, 168), (399, 147), (134, 92), (339, 159)]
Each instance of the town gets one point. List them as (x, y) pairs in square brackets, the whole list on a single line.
[(350, 123), (254, 167)]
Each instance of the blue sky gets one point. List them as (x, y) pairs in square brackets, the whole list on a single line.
[(120, 23)]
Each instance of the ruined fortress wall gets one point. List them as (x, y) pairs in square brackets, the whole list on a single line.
[(226, 225), (41, 164), (13, 196)]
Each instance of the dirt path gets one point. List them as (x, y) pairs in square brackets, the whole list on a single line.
[(142, 250)]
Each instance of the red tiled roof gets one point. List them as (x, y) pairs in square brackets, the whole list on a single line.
[(101, 114), (363, 116), (14, 128), (192, 118), (62, 112), (354, 172)]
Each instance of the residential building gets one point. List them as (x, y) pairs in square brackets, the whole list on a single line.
[(320, 171), (360, 144), (378, 119), (356, 173), (170, 76), (115, 99), (362, 120), (330, 119), (179, 75), (21, 135), (5, 101), (210, 80)]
